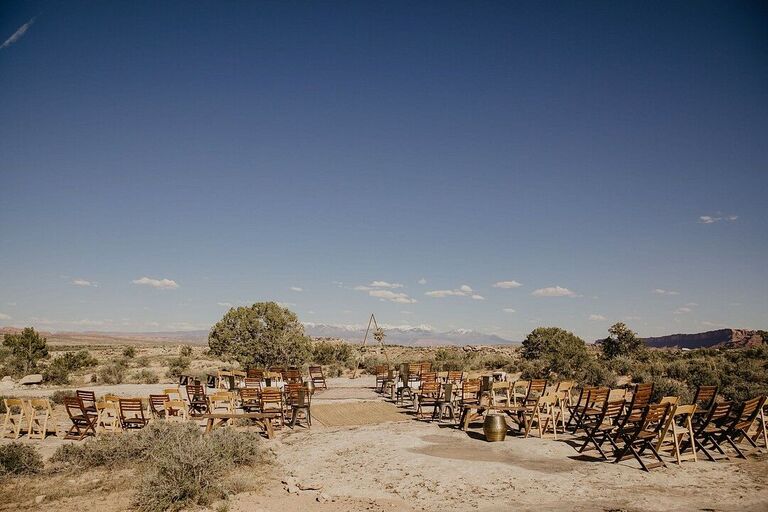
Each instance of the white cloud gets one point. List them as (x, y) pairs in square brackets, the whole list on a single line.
[(692, 304), (285, 304), (3, 316), (385, 284), (10, 304), (711, 219), (507, 284), (90, 323), (400, 298), (422, 281), (553, 291), (682, 310), (84, 282), (224, 304), (296, 289), (597, 318), (661, 291), (463, 291), (714, 324), (362, 288), (18, 34), (162, 284), (508, 310)]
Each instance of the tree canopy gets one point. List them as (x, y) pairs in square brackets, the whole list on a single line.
[(560, 351), (264, 334), (622, 341), (25, 349)]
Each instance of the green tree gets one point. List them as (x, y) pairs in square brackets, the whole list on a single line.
[(556, 351), (622, 341), (26, 349), (264, 334)]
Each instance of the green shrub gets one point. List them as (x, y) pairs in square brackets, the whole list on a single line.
[(185, 351), (145, 376), (325, 352), (129, 352), (58, 396), (61, 366), (182, 467), (112, 374), (19, 459), (177, 366)]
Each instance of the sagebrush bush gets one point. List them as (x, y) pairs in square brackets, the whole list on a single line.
[(181, 465), (177, 366), (58, 396), (326, 352), (129, 352), (185, 351), (112, 373), (61, 366), (145, 376), (19, 459)]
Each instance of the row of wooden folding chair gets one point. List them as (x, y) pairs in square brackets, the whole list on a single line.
[(35, 412)]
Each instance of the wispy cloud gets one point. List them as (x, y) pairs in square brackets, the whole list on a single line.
[(385, 284), (224, 304), (162, 284), (714, 324), (661, 291), (3, 316), (508, 310), (597, 318), (18, 34), (85, 282), (422, 281), (296, 289), (507, 284), (462, 291), (682, 310), (554, 291), (711, 219), (400, 298)]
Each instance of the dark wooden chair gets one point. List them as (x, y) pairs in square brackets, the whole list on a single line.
[(292, 375), (602, 427), (255, 373), (299, 401), (737, 428), (271, 400), (251, 382), (704, 399), (132, 413), (596, 398), (83, 422), (641, 397), (89, 400), (455, 376), (157, 405), (708, 430), (318, 379), (249, 399), (643, 435), (427, 396), (198, 403), (578, 408)]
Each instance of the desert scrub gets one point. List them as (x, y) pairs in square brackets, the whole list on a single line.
[(177, 366), (19, 459), (181, 466), (58, 396), (61, 366), (113, 373), (129, 352), (325, 353), (145, 376)]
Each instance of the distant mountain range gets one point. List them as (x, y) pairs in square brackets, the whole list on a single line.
[(721, 338), (406, 335)]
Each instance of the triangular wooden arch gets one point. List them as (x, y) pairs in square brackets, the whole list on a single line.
[(371, 320)]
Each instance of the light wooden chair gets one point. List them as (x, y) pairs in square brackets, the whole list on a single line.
[(16, 413), (173, 393), (500, 393), (564, 389), (679, 425), (271, 400), (108, 419), (39, 413), (317, 376), (221, 401), (545, 412), (175, 410)]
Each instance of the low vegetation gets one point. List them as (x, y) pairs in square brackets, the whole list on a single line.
[(179, 465), (19, 459)]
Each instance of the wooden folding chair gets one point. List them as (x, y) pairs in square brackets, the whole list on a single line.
[(175, 410), (108, 419), (239, 378), (39, 412), (381, 371), (89, 400), (249, 399), (173, 393), (762, 428), (641, 397), (469, 402), (577, 409), (255, 373), (455, 376), (318, 379), (564, 389), (679, 425), (737, 428), (708, 429), (16, 413), (596, 398), (271, 400), (425, 367), (704, 399), (220, 402), (519, 390), (83, 421), (545, 412), (500, 394), (198, 403), (642, 435), (157, 405), (427, 396), (132, 413), (299, 401), (601, 428), (292, 375)]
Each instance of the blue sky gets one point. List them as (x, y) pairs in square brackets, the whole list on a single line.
[(606, 160)]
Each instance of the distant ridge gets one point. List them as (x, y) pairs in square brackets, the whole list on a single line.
[(721, 338)]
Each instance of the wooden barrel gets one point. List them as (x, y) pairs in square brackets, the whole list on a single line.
[(495, 427)]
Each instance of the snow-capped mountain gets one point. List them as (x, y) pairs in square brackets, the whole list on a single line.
[(405, 334)]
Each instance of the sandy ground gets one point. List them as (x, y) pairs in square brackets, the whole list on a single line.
[(422, 466)]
